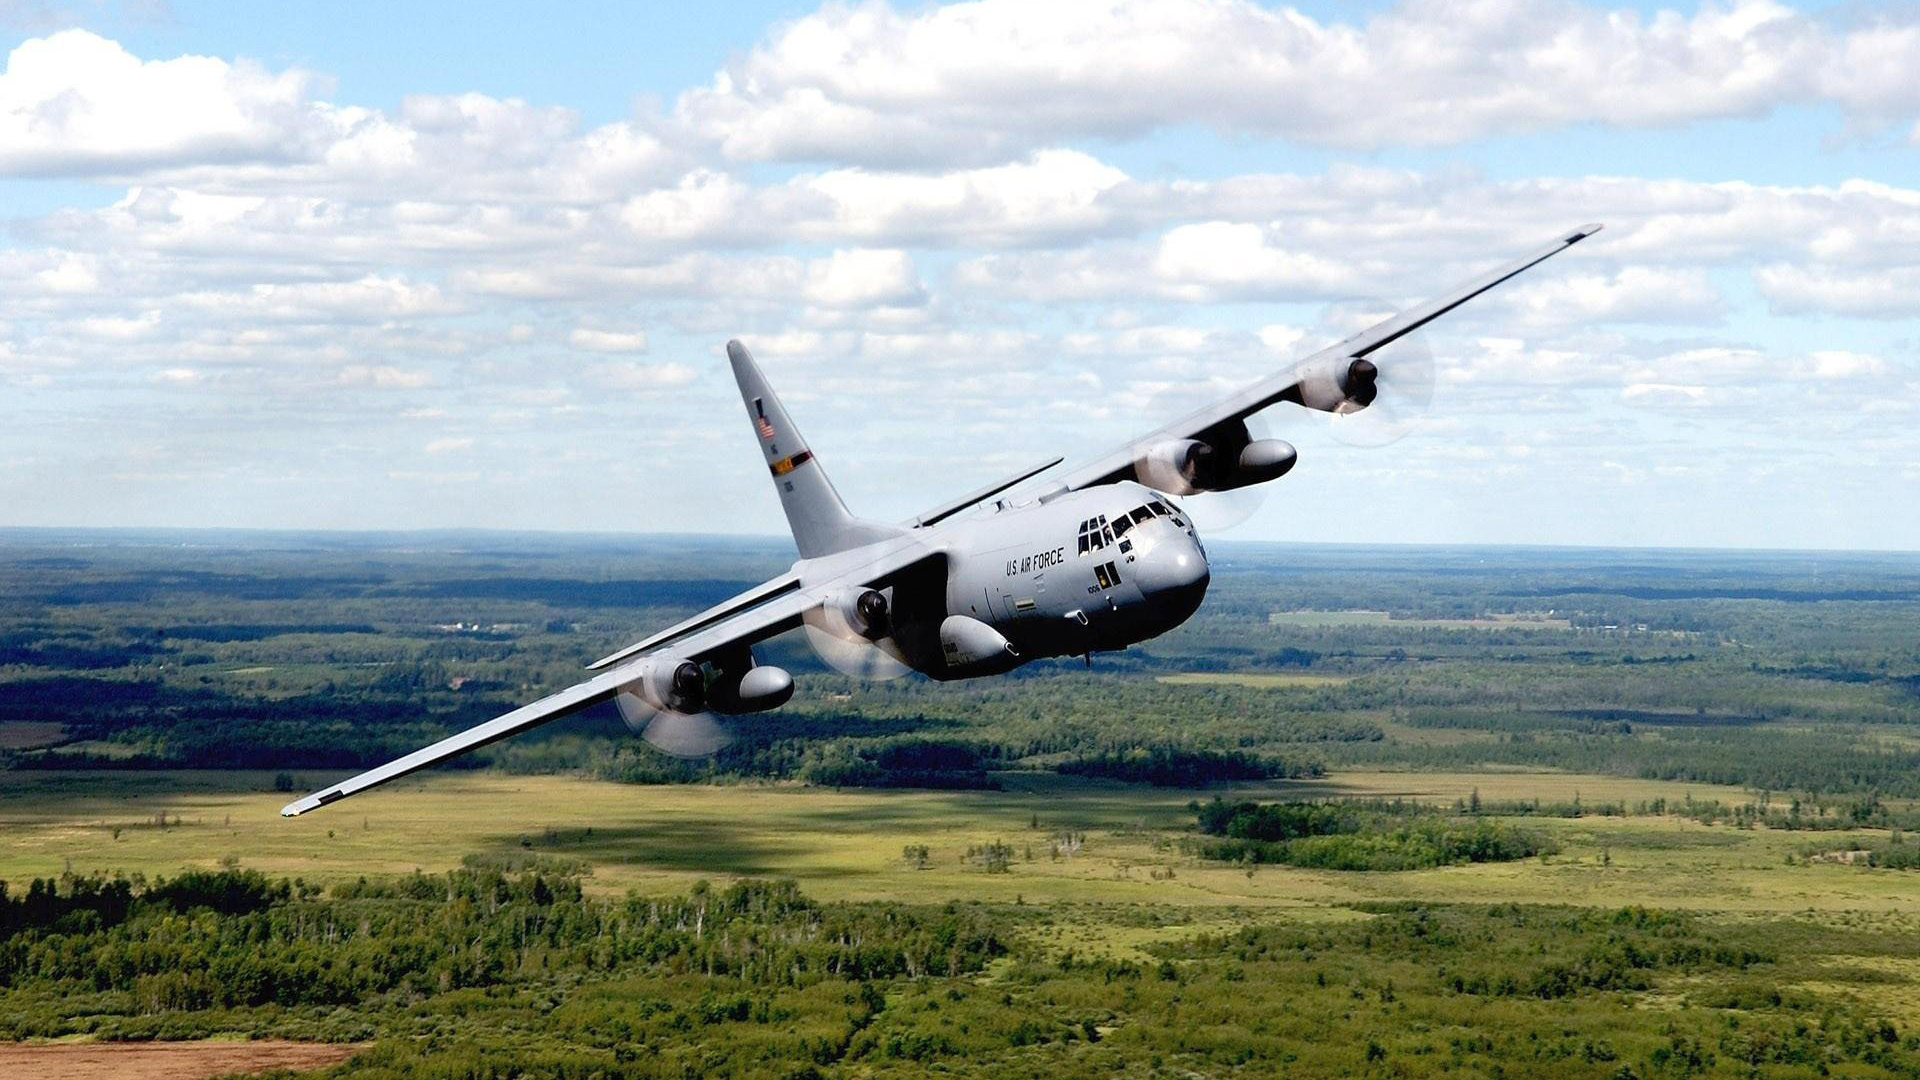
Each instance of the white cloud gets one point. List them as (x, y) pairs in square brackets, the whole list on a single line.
[(383, 377), (75, 102), (976, 81), (1666, 395), (864, 277), (642, 377), (1646, 294), (1840, 364), (1892, 293), (373, 297), (608, 341), (301, 287)]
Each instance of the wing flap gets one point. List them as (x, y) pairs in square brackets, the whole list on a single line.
[(780, 586)]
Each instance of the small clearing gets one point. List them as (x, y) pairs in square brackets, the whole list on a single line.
[(164, 1060)]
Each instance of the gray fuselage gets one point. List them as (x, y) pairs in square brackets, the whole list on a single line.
[(1081, 572)]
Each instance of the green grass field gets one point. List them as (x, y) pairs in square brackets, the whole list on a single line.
[(847, 844)]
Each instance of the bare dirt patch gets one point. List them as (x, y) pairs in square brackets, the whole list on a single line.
[(163, 1060), (27, 734)]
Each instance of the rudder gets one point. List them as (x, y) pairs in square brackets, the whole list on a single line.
[(819, 519)]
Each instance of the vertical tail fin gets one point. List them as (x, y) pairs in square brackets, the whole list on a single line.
[(820, 521)]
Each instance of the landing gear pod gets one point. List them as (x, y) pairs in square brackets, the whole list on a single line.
[(971, 647)]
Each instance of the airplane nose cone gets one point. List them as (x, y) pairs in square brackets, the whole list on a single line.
[(1175, 573)]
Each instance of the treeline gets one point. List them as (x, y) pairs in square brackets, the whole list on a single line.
[(1796, 813), (1347, 835), (236, 940), (1829, 763), (1897, 851), (1175, 766)]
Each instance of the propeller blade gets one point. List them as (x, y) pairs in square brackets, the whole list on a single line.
[(1213, 512), (682, 735), (1401, 395), (856, 656), (687, 735)]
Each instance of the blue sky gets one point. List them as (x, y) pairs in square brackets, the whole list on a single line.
[(428, 265)]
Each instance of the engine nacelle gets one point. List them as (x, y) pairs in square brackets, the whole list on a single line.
[(669, 685), (1189, 466), (861, 613), (756, 690), (1177, 466), (1338, 385)]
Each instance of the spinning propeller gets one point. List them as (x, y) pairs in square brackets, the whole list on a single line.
[(1213, 512), (1396, 393), (1403, 383), (852, 633), (666, 708)]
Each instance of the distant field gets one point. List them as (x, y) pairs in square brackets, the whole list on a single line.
[(1265, 681), (1500, 621), (847, 844)]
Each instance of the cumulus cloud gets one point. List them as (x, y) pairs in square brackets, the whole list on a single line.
[(608, 341), (75, 102), (864, 278), (383, 377), (641, 377), (281, 250), (369, 298), (1800, 290), (974, 81), (1636, 294)]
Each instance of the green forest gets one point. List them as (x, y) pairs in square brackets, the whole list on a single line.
[(495, 972)]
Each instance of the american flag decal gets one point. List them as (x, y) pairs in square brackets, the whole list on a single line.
[(766, 429)]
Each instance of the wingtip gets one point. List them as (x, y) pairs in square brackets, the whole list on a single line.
[(292, 809), (1585, 231)]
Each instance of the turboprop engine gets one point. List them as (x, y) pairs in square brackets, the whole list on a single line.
[(663, 685), (670, 703), (1338, 386), (1222, 459), (858, 613)]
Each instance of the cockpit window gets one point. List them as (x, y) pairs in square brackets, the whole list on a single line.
[(1159, 507), (1141, 514), (1120, 527)]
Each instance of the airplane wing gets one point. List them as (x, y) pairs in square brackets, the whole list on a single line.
[(754, 616), (1118, 463)]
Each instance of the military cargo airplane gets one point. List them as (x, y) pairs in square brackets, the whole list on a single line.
[(1101, 558)]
